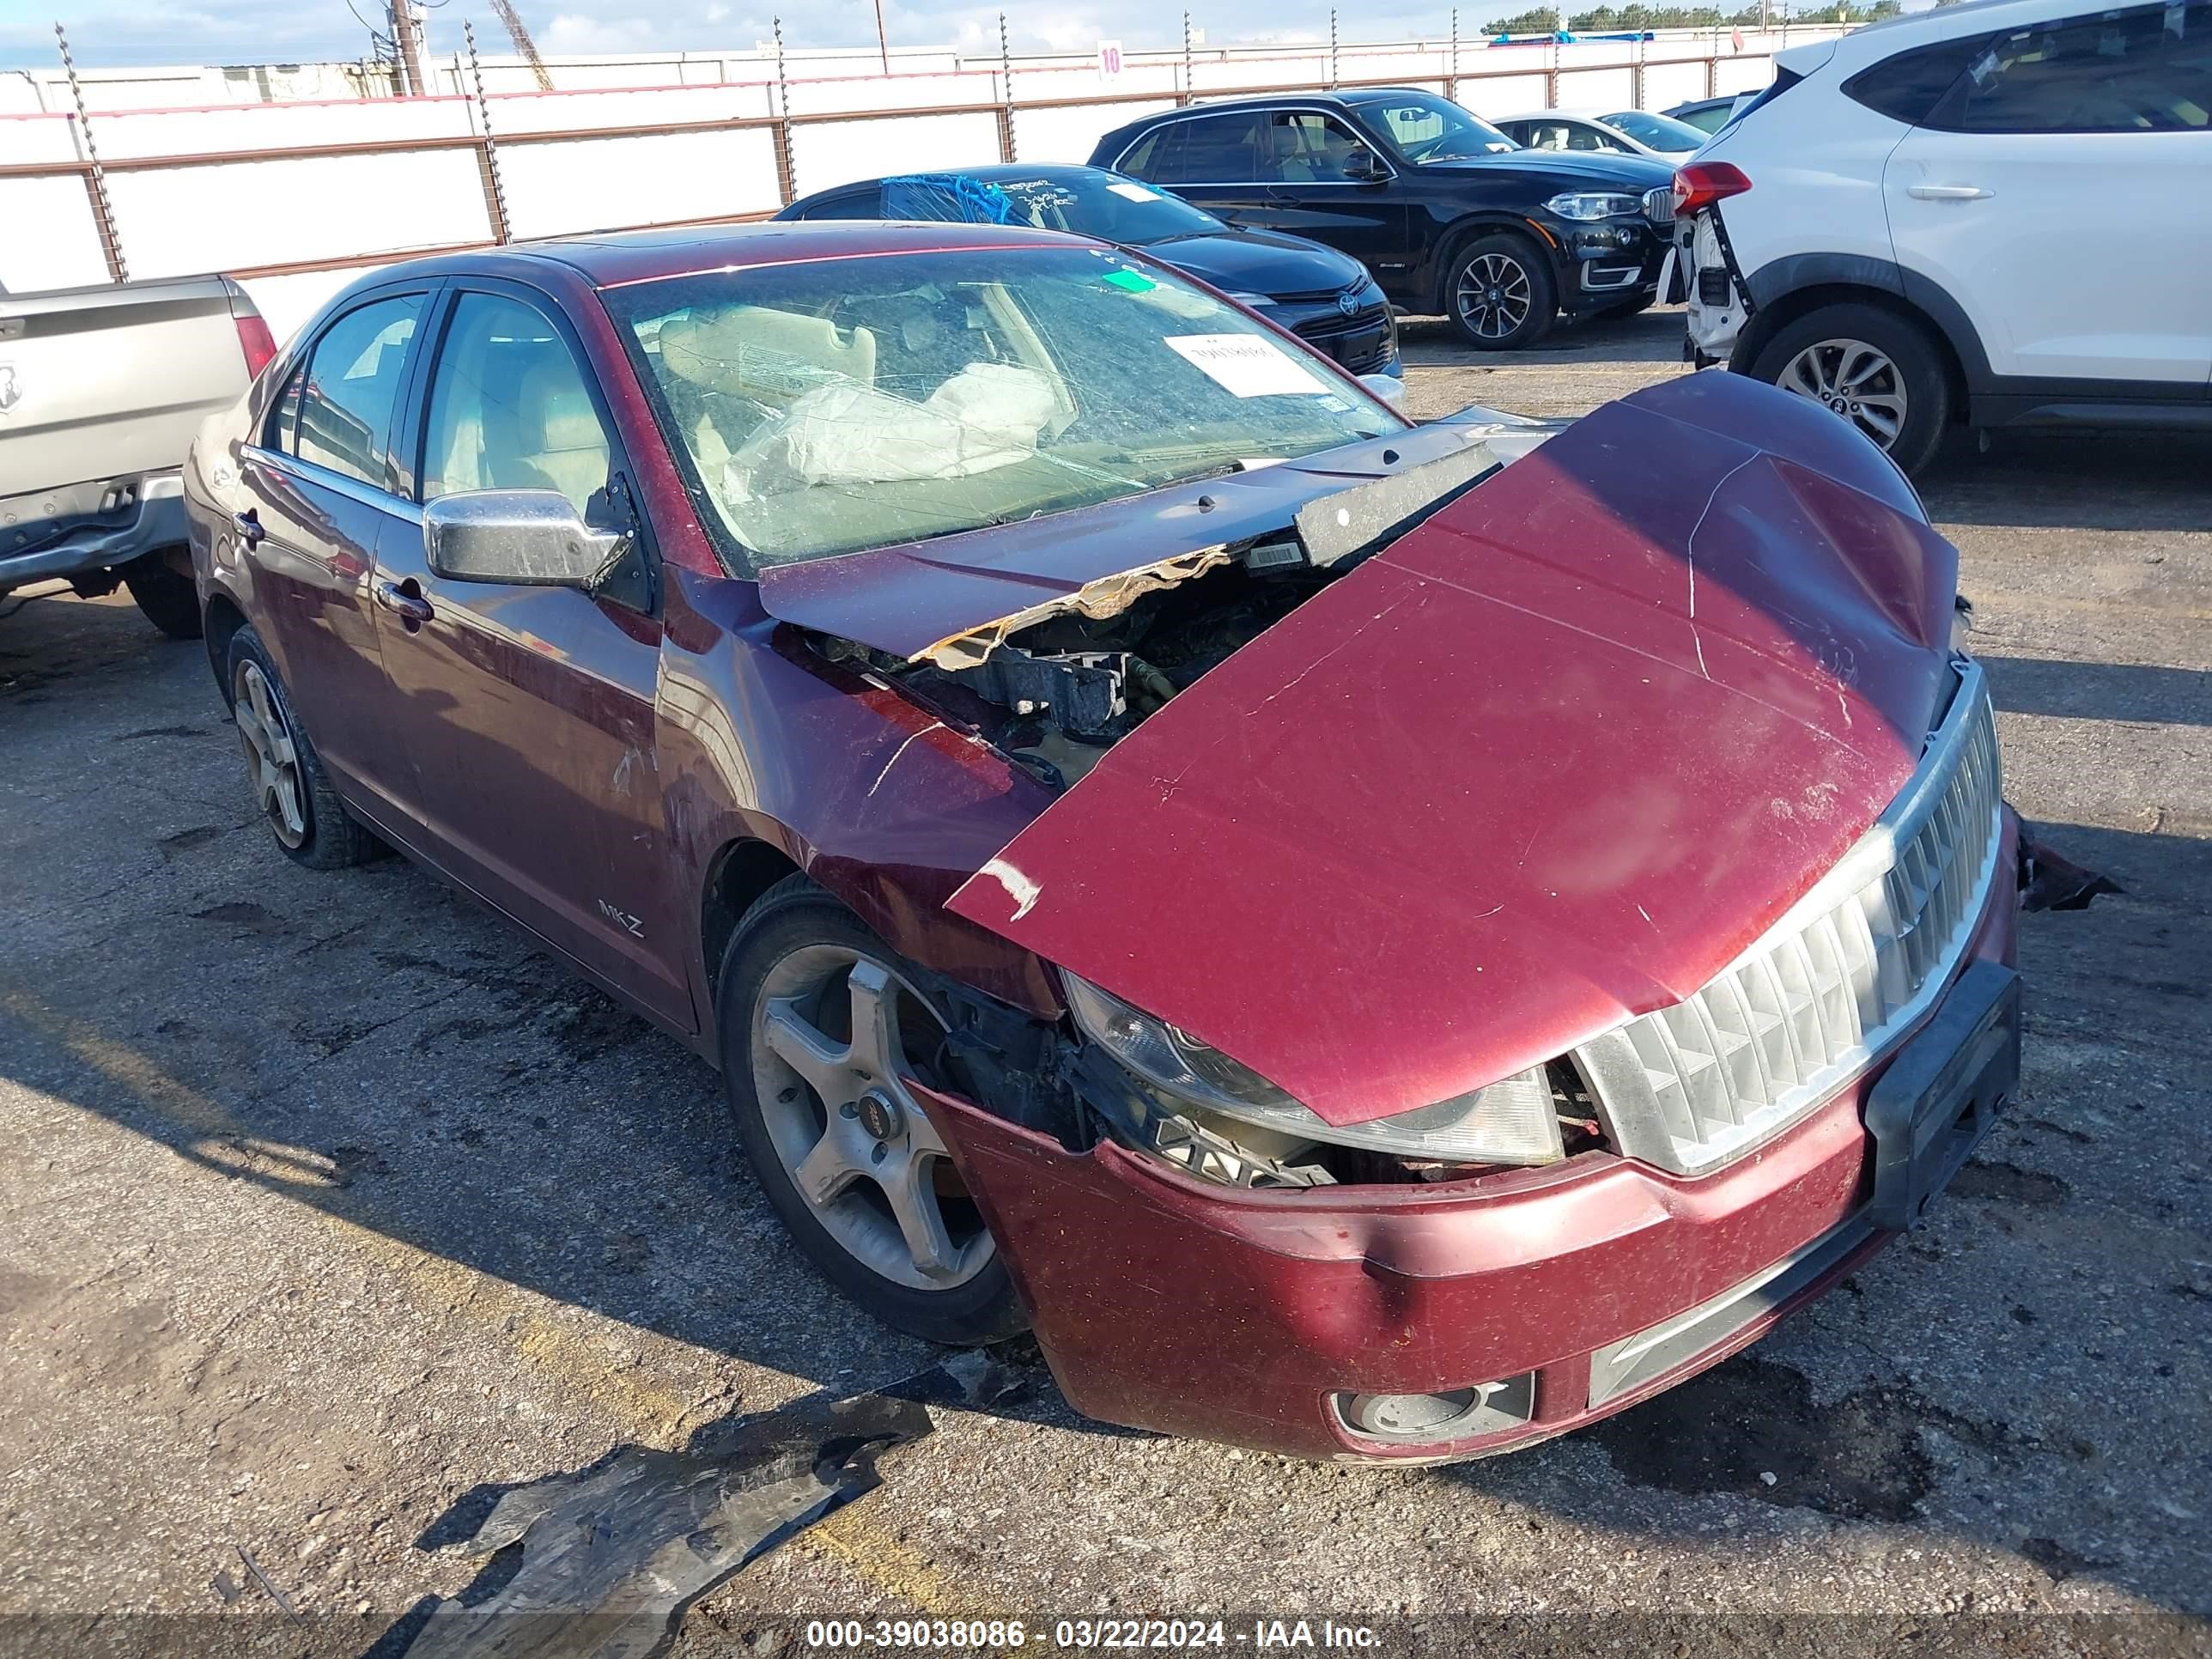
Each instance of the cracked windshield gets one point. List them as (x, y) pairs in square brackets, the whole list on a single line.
[(830, 407)]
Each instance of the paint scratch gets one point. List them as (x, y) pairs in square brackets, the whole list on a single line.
[(1646, 914), (911, 740), (1020, 888)]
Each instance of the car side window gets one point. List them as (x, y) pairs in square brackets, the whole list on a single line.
[(1218, 150), (1908, 87), (340, 415), (1581, 135), (857, 204), (2143, 69), (510, 408), (1306, 147)]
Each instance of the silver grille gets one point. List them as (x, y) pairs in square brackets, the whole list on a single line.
[(1852, 965), (1659, 205)]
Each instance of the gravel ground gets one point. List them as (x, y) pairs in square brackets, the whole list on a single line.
[(328, 1208)]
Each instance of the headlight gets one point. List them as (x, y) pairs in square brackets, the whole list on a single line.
[(1595, 205), (1259, 300), (1508, 1122)]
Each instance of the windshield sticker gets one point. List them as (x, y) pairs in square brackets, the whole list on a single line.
[(1135, 192), (1135, 281), (1244, 365)]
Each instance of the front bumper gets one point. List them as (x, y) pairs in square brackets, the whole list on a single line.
[(1606, 263), (141, 514), (1165, 1304)]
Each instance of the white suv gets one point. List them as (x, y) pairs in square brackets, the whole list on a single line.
[(1989, 214)]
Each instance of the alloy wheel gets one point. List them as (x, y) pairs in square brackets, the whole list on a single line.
[(1493, 296), (1854, 381), (832, 1031), (271, 758)]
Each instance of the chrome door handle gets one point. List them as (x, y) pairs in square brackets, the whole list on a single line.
[(1947, 192), (248, 527), (405, 600)]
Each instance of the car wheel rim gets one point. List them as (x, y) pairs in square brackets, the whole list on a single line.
[(272, 758), (1494, 295), (1853, 382), (832, 1031)]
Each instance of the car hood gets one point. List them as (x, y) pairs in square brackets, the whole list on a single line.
[(1553, 758), (1572, 169), (1259, 262)]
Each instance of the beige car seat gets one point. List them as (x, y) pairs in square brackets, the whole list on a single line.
[(757, 352)]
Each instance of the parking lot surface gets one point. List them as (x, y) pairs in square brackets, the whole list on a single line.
[(328, 1205)]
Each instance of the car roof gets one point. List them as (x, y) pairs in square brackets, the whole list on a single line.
[(644, 256), (990, 173), (1580, 113)]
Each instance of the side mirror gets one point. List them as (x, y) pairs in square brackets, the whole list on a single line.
[(1388, 387), (1365, 166), (531, 538)]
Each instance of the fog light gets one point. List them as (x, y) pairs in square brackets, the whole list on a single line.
[(1459, 1414)]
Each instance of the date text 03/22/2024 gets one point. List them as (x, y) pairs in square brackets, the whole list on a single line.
[(848, 1635)]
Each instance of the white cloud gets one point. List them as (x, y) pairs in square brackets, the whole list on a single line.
[(134, 31)]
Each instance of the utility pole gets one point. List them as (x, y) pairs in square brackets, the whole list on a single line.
[(883, 41), (407, 37)]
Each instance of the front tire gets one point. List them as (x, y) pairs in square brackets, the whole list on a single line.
[(1500, 296), (1882, 373), (168, 598), (309, 821), (823, 1029)]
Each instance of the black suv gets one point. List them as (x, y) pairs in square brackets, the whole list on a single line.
[(1450, 215)]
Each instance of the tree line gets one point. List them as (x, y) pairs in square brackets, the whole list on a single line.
[(1544, 19)]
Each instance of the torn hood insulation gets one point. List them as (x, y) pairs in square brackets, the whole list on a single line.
[(949, 599), (1554, 758)]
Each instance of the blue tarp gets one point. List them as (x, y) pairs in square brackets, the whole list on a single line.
[(953, 197)]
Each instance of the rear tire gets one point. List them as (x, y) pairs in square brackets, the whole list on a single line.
[(168, 598), (1499, 294), (310, 822), (817, 1081), (1882, 373)]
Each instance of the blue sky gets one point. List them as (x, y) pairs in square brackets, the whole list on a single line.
[(138, 31)]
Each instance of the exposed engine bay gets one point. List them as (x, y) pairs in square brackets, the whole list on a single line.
[(1055, 686)]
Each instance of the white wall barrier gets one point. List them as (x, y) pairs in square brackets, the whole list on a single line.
[(297, 198)]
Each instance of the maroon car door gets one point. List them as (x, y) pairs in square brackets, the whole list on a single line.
[(324, 494), (528, 711)]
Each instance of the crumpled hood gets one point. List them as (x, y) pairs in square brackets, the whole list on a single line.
[(1550, 759), (1259, 262)]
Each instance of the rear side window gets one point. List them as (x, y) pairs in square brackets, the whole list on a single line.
[(352, 382), (856, 204), (1908, 87), (2143, 69), (1218, 150)]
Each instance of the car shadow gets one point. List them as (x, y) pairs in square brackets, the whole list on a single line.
[(2087, 480), (1649, 336)]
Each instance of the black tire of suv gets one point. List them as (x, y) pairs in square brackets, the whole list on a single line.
[(168, 598), (334, 839), (1913, 351), (1543, 292), (793, 914)]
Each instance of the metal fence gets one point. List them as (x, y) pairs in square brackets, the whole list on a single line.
[(280, 194)]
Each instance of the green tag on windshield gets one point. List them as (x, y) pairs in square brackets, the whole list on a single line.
[(1135, 281)]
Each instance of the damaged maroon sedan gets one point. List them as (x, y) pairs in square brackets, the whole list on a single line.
[(1377, 940)]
